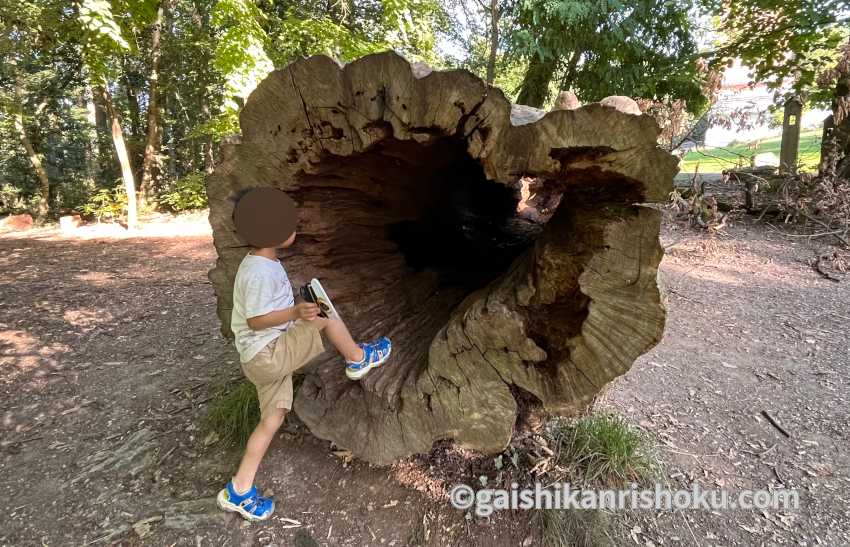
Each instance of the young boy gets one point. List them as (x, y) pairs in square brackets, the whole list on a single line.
[(275, 337)]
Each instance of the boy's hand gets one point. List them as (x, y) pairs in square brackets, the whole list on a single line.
[(306, 311)]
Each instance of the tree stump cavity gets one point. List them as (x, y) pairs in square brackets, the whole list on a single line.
[(503, 251)]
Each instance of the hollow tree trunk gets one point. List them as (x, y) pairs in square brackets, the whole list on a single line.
[(502, 250)]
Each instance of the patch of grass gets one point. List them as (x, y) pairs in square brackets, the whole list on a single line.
[(235, 414), (416, 537), (715, 160), (572, 528), (603, 450)]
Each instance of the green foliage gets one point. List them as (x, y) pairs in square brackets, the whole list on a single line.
[(106, 204), (781, 40), (71, 194), (510, 69), (644, 48), (96, 17), (218, 127), (602, 450), (104, 34), (13, 201), (215, 52), (240, 58), (240, 55), (411, 27), (322, 35), (572, 528), (40, 82), (187, 193), (356, 29), (235, 414)]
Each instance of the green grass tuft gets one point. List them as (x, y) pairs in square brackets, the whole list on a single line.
[(235, 414), (572, 528), (604, 450)]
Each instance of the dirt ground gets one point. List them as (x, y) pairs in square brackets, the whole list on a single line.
[(110, 354)]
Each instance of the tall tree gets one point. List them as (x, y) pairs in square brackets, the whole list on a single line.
[(122, 154), (495, 12), (151, 163), (125, 83), (17, 111), (37, 70), (643, 48), (92, 144), (105, 45)]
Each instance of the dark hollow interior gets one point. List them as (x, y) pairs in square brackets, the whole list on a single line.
[(405, 231), (469, 232), (433, 203)]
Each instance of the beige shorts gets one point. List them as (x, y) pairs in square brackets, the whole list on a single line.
[(271, 369)]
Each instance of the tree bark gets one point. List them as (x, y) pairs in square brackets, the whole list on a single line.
[(92, 146), (123, 156), (569, 75), (494, 40), (151, 164), (208, 148), (535, 85), (835, 145), (34, 157), (500, 249), (134, 136)]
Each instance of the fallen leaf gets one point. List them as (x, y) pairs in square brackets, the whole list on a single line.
[(143, 527), (345, 455), (212, 438)]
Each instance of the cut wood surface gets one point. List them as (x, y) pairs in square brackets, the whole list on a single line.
[(502, 249)]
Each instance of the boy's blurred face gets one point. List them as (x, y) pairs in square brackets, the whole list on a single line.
[(262, 215), (288, 242)]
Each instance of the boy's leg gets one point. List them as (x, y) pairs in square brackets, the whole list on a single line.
[(338, 334), (258, 443)]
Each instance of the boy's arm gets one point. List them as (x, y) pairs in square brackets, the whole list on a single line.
[(305, 310)]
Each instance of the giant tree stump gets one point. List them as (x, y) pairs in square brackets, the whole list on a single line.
[(504, 251)]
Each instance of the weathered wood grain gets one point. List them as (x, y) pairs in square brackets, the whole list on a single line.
[(502, 249)]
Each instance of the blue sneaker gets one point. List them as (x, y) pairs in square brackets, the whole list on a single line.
[(375, 354), (250, 505)]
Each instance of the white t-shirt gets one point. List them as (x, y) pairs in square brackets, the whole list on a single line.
[(261, 286)]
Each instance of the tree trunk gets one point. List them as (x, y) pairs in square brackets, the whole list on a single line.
[(209, 143), (34, 157), (92, 144), (123, 156), (535, 85), (209, 159), (502, 251), (835, 145), (134, 134), (494, 40), (569, 75), (151, 164)]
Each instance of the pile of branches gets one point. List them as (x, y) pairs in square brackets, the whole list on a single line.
[(820, 201), (820, 204), (699, 210)]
